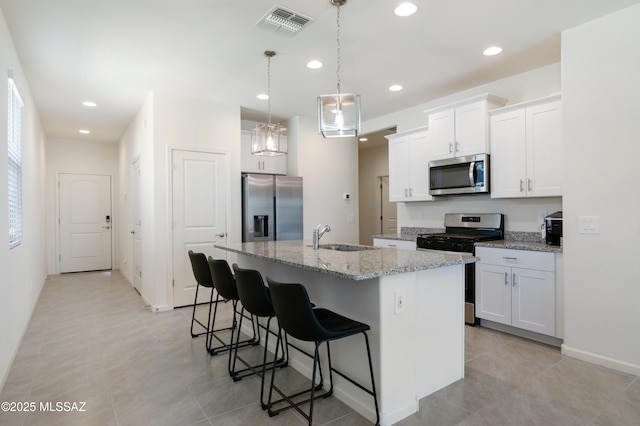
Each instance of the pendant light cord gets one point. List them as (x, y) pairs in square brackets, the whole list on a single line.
[(269, 54), (338, 42)]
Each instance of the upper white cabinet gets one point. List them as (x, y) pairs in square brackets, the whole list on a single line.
[(249, 163), (408, 166), (527, 152), (462, 128)]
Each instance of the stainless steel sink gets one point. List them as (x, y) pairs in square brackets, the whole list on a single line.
[(345, 247)]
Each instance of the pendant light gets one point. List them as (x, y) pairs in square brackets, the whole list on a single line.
[(339, 113), (269, 139)]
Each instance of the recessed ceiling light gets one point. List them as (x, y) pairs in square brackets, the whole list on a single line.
[(395, 88), (405, 9), (263, 96), (363, 139), (84, 132), (314, 64), (493, 50), (90, 104)]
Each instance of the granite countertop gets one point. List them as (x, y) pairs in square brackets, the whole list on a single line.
[(372, 262), (520, 245)]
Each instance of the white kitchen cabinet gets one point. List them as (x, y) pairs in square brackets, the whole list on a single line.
[(517, 288), (249, 163), (408, 166), (392, 243), (461, 129), (527, 155)]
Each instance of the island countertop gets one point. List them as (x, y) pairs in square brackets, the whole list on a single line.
[(370, 262)]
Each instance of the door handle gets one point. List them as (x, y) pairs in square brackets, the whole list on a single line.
[(220, 235), (107, 227), (133, 232)]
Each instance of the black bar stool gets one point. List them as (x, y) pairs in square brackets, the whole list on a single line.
[(255, 298), (225, 284), (299, 319), (202, 274)]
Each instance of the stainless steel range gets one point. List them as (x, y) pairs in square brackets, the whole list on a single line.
[(462, 231)]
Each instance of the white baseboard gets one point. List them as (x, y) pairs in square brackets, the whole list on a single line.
[(615, 364), (159, 308)]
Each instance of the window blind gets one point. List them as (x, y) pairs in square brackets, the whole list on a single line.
[(14, 150)]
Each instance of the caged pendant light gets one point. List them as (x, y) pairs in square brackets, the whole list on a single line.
[(269, 139), (339, 113)]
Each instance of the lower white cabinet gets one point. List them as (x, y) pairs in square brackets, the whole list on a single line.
[(399, 244), (517, 288)]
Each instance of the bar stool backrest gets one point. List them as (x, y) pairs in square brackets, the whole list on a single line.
[(201, 270), (223, 279), (254, 295), (294, 311)]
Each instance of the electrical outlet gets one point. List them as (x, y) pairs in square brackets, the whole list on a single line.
[(399, 302)]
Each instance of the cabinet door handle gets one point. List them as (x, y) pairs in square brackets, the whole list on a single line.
[(521, 185), (509, 258), (528, 184), (457, 146), (410, 192), (450, 148), (506, 278), (406, 193), (513, 280)]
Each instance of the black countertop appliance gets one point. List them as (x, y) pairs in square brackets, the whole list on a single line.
[(553, 229)]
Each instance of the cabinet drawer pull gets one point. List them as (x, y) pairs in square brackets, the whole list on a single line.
[(509, 258)]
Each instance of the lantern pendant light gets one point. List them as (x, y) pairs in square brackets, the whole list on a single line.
[(269, 139), (339, 113)]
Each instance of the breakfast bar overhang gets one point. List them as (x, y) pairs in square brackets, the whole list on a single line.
[(412, 300)]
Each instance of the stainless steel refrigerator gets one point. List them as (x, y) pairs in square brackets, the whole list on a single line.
[(271, 207)]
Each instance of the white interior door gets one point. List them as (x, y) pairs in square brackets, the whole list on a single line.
[(199, 191), (389, 216), (136, 226), (85, 222)]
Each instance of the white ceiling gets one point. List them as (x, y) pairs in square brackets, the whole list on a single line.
[(115, 52)]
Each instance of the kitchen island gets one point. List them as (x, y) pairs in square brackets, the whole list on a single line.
[(412, 300)]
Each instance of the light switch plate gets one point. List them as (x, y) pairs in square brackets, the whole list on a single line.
[(589, 224)]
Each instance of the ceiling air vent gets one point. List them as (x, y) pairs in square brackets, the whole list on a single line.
[(283, 21)]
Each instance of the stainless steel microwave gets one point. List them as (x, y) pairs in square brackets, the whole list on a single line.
[(459, 175)]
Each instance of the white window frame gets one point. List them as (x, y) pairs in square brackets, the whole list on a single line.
[(14, 150)]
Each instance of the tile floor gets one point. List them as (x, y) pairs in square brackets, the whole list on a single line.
[(91, 340)]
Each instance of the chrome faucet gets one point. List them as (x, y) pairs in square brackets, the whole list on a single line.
[(318, 232)]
